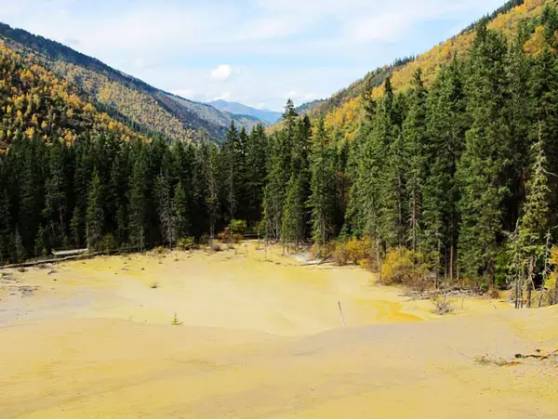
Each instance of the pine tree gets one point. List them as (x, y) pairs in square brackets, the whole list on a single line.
[(485, 159), (212, 197), (446, 124), (544, 101), (166, 210), (256, 172), (181, 214), (138, 202), (20, 251), (232, 160), (323, 196), (56, 207), (6, 245), (534, 222), (279, 177), (292, 224), (414, 135), (94, 219)]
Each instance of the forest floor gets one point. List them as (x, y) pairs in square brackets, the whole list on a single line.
[(250, 333)]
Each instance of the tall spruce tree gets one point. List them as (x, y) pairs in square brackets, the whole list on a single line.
[(485, 159), (446, 125), (323, 193), (414, 135), (95, 216)]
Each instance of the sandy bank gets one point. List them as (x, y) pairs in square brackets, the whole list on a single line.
[(260, 338)]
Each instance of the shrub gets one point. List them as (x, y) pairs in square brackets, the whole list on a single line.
[(227, 236), (356, 251), (107, 243), (442, 304), (159, 250), (323, 251), (187, 243), (403, 266), (237, 227)]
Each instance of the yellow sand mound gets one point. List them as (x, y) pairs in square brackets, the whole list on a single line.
[(259, 337)]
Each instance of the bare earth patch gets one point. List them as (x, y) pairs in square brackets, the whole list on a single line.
[(236, 334)]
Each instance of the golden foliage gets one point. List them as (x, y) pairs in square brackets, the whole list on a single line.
[(37, 104), (356, 251), (404, 266), (343, 120)]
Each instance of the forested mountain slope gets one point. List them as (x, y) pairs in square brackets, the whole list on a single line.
[(34, 103), (343, 110), (148, 108)]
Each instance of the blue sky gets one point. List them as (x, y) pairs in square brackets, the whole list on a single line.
[(252, 51)]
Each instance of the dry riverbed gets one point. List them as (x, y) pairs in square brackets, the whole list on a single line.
[(245, 333)]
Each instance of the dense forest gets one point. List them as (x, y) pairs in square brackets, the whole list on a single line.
[(454, 183)]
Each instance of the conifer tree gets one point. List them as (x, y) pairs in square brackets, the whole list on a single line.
[(414, 135), (138, 202), (56, 207), (534, 222), (94, 219), (6, 237), (322, 198), (256, 172), (166, 210), (485, 159), (446, 124), (180, 206)]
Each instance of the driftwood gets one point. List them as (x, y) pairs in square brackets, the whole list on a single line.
[(537, 355), (69, 252), (73, 256)]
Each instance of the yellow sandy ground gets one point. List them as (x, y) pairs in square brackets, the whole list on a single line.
[(259, 338)]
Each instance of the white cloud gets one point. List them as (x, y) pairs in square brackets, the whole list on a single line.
[(221, 73)]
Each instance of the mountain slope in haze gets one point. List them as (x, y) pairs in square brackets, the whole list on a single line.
[(343, 109), (36, 104), (144, 106), (236, 108)]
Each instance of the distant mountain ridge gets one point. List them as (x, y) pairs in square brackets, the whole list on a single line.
[(123, 96), (342, 110), (239, 109)]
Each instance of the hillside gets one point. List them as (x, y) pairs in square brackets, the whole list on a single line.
[(236, 108), (37, 104), (343, 109), (146, 107)]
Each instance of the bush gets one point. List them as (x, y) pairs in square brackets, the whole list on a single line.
[(356, 251), (403, 266), (187, 243), (237, 227), (159, 250), (442, 304), (227, 236), (107, 243), (322, 251)]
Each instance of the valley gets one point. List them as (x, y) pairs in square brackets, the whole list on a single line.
[(389, 250)]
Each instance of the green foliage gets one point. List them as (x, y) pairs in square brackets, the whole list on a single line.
[(187, 243), (238, 227)]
